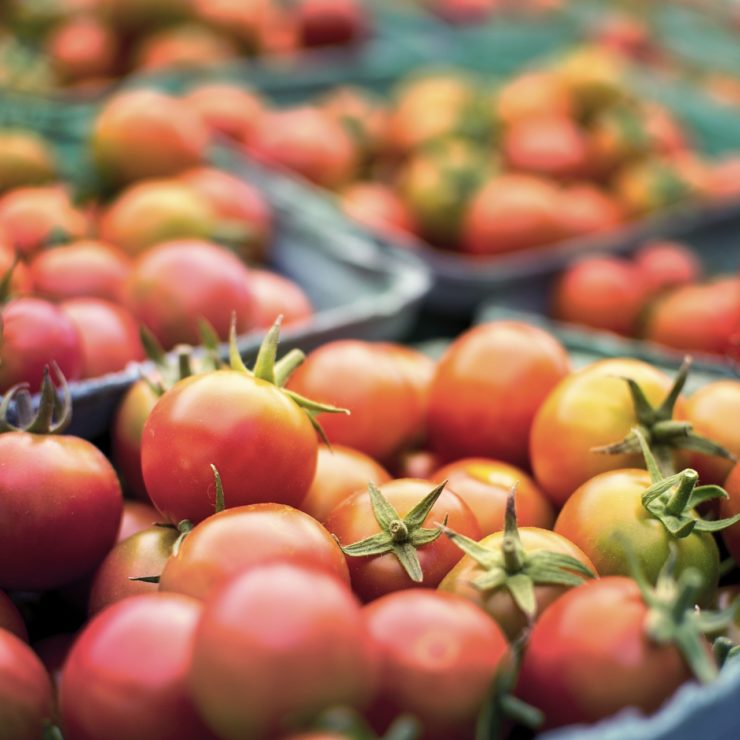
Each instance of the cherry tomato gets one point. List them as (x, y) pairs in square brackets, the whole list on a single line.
[(354, 520), (513, 366), (10, 618), (587, 409), (666, 264), (25, 159), (378, 207), (227, 109), (136, 516), (330, 22), (306, 634), (588, 209), (81, 48), (531, 95), (26, 696), (276, 295), (484, 485), (239, 538), (127, 674), (340, 472), (731, 507), (438, 654)]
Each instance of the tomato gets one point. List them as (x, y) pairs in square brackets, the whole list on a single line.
[(175, 284), (127, 674), (605, 293), (25, 159), (329, 22), (612, 503), (10, 618), (142, 555), (144, 133), (532, 95), (53, 653), (664, 130), (227, 109), (374, 384), (415, 464), (587, 209), (81, 48), (701, 318), (340, 472), (36, 333), (26, 697), (32, 216), (666, 264), (593, 77), (593, 639), (187, 46), (355, 519), (276, 295), (587, 409), (83, 268), (618, 135), (513, 366), (378, 207), (136, 516), (714, 410), (438, 654), (731, 507), (108, 332), (512, 212), (154, 211), (650, 185), (306, 635), (239, 538), (484, 485), (20, 282), (724, 178)]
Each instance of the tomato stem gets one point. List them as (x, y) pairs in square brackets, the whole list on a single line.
[(678, 501)]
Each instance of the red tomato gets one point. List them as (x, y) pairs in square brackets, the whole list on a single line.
[(415, 464), (61, 509), (83, 268), (10, 618), (600, 292), (176, 283), (724, 178), (731, 507), (236, 539), (379, 207), (374, 384), (108, 332), (354, 520), (588, 209), (275, 296), (340, 472), (82, 48), (513, 366), (36, 333), (593, 639), (439, 654), (484, 485), (25, 159), (260, 440), (306, 634), (328, 22), (136, 516), (127, 674), (666, 264), (227, 109), (26, 696)]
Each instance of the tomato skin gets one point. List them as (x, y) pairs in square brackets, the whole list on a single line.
[(306, 635), (227, 109), (612, 502), (82, 48), (731, 507), (713, 411), (378, 207), (276, 295), (34, 334), (26, 698), (10, 618), (136, 516), (61, 509), (25, 159), (261, 442), (533, 94), (510, 364), (587, 209), (438, 656), (329, 22), (567, 425), (499, 604), (376, 575), (666, 264), (593, 639), (126, 675), (484, 485), (234, 540), (142, 554), (20, 282), (340, 472), (108, 332)]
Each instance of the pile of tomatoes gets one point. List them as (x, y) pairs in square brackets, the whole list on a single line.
[(365, 540)]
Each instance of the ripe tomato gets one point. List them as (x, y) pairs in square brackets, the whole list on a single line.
[(593, 77), (175, 284), (136, 516), (83, 268), (713, 411), (594, 640), (36, 333), (26, 696), (306, 634), (329, 22), (53, 653), (141, 555), (484, 485), (588, 409), (20, 281), (239, 538), (378, 207), (276, 295), (731, 507), (227, 109), (724, 178), (438, 655), (340, 472), (601, 292), (126, 675), (650, 185), (81, 48), (587, 209), (10, 618), (355, 519), (666, 264), (531, 95), (144, 133), (25, 159), (511, 365)]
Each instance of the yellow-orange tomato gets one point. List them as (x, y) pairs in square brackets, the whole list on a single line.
[(532, 94), (25, 159), (484, 484)]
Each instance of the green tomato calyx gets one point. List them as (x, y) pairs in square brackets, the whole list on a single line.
[(663, 433), (399, 535), (513, 568)]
